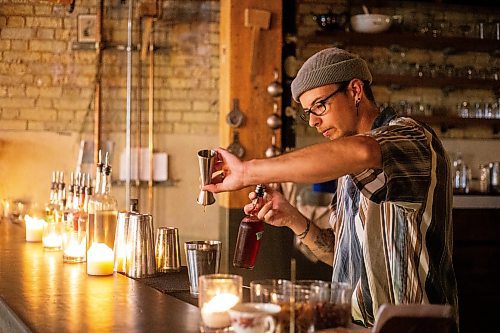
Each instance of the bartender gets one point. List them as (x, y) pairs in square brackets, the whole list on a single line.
[(391, 230)]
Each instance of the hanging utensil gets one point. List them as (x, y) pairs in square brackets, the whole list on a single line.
[(235, 147), (275, 88), (235, 118), (273, 150), (274, 120)]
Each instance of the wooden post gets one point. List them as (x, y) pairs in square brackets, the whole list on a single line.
[(236, 50)]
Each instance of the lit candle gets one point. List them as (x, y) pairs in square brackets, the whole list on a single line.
[(214, 313), (75, 249), (34, 229), (52, 240), (100, 260)]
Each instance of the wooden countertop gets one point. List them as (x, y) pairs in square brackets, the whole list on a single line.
[(49, 296), (39, 293)]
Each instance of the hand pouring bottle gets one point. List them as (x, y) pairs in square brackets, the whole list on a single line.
[(250, 234)]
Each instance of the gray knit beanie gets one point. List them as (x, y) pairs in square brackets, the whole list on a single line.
[(329, 66)]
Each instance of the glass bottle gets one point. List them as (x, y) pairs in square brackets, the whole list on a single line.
[(101, 227), (50, 207), (250, 234), (61, 199), (74, 237)]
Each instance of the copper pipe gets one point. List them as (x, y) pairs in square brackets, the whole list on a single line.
[(151, 120), (97, 91), (129, 104)]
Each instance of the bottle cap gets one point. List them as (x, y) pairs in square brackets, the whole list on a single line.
[(260, 190)]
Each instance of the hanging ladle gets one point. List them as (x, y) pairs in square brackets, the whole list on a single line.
[(274, 120), (235, 147), (275, 88), (273, 150), (235, 118)]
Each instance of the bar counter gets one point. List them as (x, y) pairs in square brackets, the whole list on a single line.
[(41, 294)]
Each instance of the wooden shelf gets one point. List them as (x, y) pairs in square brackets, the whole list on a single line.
[(447, 122), (445, 83), (448, 45)]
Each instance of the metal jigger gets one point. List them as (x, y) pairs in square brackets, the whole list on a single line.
[(206, 160)]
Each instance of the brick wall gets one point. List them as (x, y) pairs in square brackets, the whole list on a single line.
[(46, 85)]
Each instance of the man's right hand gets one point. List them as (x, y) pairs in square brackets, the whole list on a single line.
[(231, 177)]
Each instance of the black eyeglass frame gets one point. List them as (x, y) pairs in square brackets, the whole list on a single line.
[(321, 104)]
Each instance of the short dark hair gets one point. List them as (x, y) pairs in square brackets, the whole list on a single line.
[(367, 88)]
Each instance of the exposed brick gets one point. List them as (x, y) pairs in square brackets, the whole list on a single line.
[(17, 102), (201, 105), (17, 33), (45, 22), (15, 21), (84, 116), (52, 45), (177, 105), (199, 117), (45, 92), (43, 103), (10, 113), (38, 114), (16, 91), (66, 115), (173, 116), (5, 45), (43, 10), (17, 125), (17, 56), (67, 104), (19, 45), (181, 128), (17, 9), (45, 33)]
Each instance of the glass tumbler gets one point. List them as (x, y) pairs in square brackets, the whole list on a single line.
[(294, 300), (331, 303)]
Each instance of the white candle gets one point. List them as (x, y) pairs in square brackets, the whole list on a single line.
[(100, 260), (52, 240), (75, 249), (34, 229), (214, 313)]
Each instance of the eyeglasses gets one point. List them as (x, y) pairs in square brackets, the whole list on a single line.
[(319, 108)]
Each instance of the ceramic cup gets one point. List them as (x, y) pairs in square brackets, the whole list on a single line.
[(253, 317)]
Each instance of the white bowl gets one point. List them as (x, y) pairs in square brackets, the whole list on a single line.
[(370, 23)]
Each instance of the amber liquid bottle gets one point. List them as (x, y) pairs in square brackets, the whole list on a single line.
[(250, 234)]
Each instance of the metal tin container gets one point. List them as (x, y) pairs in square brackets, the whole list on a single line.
[(141, 261)]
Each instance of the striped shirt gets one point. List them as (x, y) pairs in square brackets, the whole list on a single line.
[(393, 230)]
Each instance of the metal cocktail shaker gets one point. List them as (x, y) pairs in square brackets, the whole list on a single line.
[(140, 260)]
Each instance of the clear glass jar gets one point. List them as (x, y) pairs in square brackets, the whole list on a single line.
[(52, 236)]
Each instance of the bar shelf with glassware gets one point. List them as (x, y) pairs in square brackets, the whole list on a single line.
[(448, 45)]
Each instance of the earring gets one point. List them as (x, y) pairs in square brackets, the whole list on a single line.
[(357, 106)]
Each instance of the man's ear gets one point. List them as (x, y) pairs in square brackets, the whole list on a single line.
[(356, 86)]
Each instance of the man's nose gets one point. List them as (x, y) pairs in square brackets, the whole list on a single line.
[(314, 120)]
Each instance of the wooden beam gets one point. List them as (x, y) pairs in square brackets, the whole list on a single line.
[(236, 81)]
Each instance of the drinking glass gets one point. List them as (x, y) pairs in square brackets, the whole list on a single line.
[(331, 304), (294, 300)]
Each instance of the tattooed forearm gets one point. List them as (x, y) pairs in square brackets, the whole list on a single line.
[(322, 246), (325, 240)]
